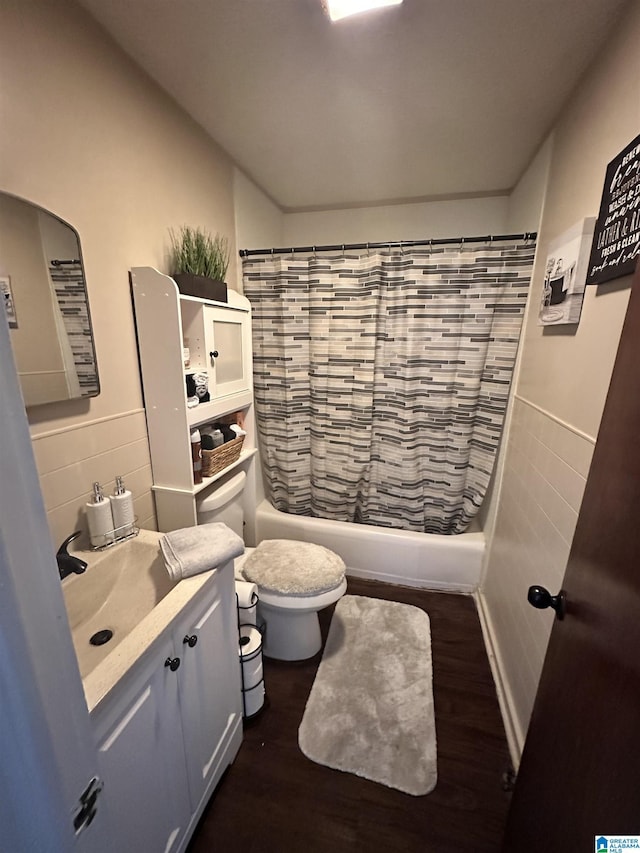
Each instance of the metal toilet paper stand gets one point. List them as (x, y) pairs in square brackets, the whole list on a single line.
[(250, 641)]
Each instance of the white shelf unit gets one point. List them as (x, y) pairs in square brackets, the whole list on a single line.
[(219, 339)]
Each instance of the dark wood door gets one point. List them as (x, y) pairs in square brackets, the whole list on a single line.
[(580, 770)]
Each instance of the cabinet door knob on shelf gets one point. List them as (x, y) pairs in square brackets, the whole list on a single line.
[(190, 640), (214, 353), (172, 663)]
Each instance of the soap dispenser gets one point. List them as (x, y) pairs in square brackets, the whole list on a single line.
[(100, 518), (122, 506)]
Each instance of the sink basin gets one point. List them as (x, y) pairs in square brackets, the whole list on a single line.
[(127, 598), (120, 587)]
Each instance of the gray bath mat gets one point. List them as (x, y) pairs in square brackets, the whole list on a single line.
[(370, 710)]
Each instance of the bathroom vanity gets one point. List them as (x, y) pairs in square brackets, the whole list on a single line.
[(219, 342), (165, 697)]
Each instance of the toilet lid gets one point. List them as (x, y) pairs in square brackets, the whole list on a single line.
[(293, 568)]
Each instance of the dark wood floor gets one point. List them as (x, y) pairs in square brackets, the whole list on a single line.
[(273, 799)]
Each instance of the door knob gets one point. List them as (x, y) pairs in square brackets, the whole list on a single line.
[(541, 598), (190, 640), (214, 353), (172, 663)]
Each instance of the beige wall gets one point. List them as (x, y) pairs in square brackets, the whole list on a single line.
[(88, 136), (455, 218), (259, 221), (524, 214), (562, 385)]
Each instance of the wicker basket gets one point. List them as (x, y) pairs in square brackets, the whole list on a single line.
[(214, 461)]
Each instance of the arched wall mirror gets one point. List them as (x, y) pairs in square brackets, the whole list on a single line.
[(42, 284)]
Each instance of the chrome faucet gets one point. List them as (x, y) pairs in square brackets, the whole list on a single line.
[(67, 563)]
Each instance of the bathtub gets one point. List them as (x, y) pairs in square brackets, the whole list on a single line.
[(428, 560)]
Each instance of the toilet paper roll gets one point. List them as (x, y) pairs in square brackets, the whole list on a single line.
[(252, 672), (247, 599), (250, 641), (247, 594), (253, 700)]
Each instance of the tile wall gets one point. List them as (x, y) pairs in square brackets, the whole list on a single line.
[(546, 466), (69, 460)]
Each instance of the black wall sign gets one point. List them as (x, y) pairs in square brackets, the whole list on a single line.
[(616, 242)]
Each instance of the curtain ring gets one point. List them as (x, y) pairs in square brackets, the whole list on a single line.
[(368, 250), (401, 250)]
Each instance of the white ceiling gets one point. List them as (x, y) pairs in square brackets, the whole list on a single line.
[(432, 98)]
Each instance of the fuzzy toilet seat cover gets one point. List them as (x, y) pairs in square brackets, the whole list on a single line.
[(293, 568)]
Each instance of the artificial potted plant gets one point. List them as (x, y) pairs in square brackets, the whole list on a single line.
[(199, 263)]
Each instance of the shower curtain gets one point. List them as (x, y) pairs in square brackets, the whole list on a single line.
[(381, 378)]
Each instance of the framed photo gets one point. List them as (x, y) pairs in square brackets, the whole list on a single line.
[(566, 275), (7, 299)]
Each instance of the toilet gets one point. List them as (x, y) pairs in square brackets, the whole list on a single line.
[(295, 579)]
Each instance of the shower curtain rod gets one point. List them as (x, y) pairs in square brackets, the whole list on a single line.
[(399, 244)]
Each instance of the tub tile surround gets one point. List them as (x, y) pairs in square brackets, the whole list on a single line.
[(70, 460), (546, 466)]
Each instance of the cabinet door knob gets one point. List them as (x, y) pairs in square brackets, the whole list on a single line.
[(172, 663), (214, 353), (190, 640)]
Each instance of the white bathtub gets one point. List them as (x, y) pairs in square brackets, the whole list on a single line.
[(395, 556)]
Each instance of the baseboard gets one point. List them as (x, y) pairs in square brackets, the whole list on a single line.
[(515, 736)]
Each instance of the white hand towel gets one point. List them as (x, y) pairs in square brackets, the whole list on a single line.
[(192, 550)]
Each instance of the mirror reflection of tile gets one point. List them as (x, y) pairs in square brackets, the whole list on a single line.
[(7, 299)]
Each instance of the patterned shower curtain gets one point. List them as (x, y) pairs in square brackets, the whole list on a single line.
[(381, 378)]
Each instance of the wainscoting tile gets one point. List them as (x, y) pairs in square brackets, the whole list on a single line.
[(59, 449), (546, 465), (70, 461), (576, 451)]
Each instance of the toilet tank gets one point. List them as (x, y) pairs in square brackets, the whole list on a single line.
[(224, 503)]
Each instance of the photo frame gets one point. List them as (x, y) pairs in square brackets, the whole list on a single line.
[(566, 275), (8, 301)]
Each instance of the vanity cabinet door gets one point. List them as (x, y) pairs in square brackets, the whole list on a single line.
[(228, 350), (206, 639), (141, 753)]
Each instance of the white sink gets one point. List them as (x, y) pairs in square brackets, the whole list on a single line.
[(120, 587), (126, 590)]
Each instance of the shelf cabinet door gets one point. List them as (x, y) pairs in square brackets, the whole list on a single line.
[(209, 682), (228, 350), (141, 753)]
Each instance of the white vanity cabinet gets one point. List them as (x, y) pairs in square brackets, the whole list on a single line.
[(218, 336), (168, 731), (209, 682), (142, 758)]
